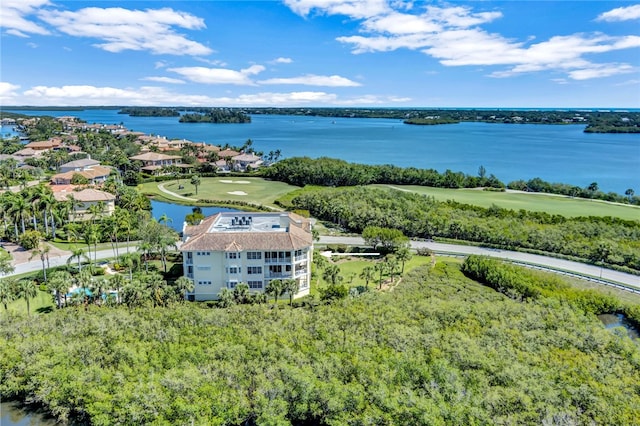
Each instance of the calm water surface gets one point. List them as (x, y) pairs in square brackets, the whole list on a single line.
[(618, 320), (177, 212), (555, 153), (12, 415)]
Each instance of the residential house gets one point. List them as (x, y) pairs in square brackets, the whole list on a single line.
[(79, 165), (96, 175), (84, 199), (253, 248), (243, 162), (154, 162)]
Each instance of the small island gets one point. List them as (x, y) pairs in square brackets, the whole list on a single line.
[(216, 115), (149, 112)]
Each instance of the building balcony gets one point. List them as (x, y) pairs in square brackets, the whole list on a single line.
[(300, 272), (300, 258), (189, 275), (278, 275), (188, 261), (284, 260)]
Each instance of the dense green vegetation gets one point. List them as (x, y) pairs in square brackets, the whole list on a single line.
[(216, 115), (150, 112), (301, 171), (600, 239), (439, 349), (430, 121), (596, 121), (524, 284)]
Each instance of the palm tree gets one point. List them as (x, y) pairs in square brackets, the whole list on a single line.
[(291, 287), (332, 275), (164, 219), (241, 293), (47, 202), (403, 255), (145, 247), (381, 268), (60, 282), (117, 282), (391, 262), (77, 253), (7, 291), (367, 274), (184, 285), (274, 287), (27, 290), (226, 297), (195, 181), (42, 250), (19, 208)]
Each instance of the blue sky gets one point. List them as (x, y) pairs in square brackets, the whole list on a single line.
[(353, 53)]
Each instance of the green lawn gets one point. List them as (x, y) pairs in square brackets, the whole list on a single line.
[(552, 204), (248, 189), (42, 303)]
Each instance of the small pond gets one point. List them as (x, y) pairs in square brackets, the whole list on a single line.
[(177, 212), (619, 320)]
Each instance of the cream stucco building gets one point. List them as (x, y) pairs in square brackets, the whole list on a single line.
[(253, 248)]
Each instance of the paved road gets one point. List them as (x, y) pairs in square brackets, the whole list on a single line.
[(606, 275), (532, 259)]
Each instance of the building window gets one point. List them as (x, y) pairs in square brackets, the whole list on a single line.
[(254, 255), (232, 284), (234, 270), (232, 255), (204, 282), (254, 270), (254, 284), (203, 253)]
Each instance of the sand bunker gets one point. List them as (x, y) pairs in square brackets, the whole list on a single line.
[(225, 181), (237, 193), (241, 181)]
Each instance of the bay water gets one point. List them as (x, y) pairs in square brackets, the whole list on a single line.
[(555, 153)]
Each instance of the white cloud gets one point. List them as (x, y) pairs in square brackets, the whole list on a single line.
[(356, 9), (282, 61), (8, 93), (14, 13), (123, 29), (453, 35), (314, 80), (219, 75), (148, 95), (164, 80), (600, 70), (627, 13), (160, 64)]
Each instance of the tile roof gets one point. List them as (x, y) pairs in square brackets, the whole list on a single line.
[(154, 156), (86, 195), (83, 162), (297, 236)]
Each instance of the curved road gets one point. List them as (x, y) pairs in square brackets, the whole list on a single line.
[(601, 275), (595, 273)]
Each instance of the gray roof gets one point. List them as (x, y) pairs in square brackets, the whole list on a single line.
[(84, 162)]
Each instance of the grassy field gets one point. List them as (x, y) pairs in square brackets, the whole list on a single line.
[(251, 189), (551, 204), (42, 303)]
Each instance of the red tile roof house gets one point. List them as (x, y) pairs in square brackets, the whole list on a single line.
[(44, 145), (84, 199), (154, 162)]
